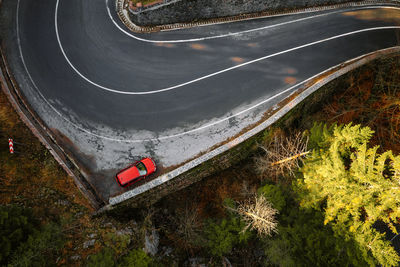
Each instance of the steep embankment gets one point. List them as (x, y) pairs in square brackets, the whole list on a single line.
[(177, 11)]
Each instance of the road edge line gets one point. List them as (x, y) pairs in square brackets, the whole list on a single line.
[(305, 91), (35, 125), (123, 15)]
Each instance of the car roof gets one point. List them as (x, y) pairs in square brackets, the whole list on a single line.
[(147, 162), (128, 174)]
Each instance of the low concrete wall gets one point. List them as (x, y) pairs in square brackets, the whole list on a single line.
[(177, 11), (242, 146)]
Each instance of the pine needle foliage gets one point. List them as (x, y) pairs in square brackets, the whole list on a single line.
[(354, 186), (136, 258), (16, 224), (222, 237)]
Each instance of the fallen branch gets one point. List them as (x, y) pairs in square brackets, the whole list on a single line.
[(290, 158)]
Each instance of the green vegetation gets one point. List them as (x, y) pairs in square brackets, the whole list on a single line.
[(136, 258), (16, 224), (337, 205), (116, 252), (303, 239), (226, 234), (104, 258), (354, 186), (24, 242), (43, 245)]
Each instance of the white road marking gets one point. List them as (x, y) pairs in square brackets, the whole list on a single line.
[(186, 132), (231, 33), (200, 78), (33, 82), (208, 37), (211, 74)]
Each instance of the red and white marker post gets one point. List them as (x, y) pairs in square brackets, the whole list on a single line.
[(11, 145)]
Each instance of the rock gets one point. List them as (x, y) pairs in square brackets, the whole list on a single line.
[(108, 225), (197, 262), (63, 202), (226, 262), (75, 257), (181, 11), (89, 243), (151, 242), (167, 251), (125, 231)]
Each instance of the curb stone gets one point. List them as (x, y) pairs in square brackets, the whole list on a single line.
[(305, 91), (123, 14)]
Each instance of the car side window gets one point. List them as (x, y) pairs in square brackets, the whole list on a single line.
[(141, 168)]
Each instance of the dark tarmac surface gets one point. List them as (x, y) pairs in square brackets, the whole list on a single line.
[(112, 99)]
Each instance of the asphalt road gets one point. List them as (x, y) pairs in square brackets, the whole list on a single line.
[(112, 96)]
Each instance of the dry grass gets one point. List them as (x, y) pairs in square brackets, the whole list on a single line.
[(144, 2), (187, 234), (32, 178), (372, 99), (281, 157)]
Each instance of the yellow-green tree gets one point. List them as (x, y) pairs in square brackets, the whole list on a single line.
[(355, 187)]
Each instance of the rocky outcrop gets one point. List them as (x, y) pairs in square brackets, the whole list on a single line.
[(177, 11)]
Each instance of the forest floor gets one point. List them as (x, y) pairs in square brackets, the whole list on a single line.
[(369, 95)]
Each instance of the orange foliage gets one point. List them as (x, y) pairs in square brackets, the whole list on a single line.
[(32, 178), (372, 99)]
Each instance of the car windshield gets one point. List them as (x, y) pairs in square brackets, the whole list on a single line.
[(141, 168)]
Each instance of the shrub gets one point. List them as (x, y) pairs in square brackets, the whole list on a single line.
[(223, 236), (40, 248), (105, 258), (136, 258), (16, 225)]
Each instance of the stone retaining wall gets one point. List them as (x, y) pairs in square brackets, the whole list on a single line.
[(178, 11)]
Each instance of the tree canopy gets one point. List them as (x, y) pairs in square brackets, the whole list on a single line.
[(16, 224), (355, 186), (302, 238)]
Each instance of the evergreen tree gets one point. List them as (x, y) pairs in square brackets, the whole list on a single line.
[(302, 238), (136, 258), (274, 194), (104, 258), (16, 224), (40, 248), (223, 236), (354, 186)]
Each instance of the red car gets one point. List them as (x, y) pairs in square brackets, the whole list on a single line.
[(136, 172)]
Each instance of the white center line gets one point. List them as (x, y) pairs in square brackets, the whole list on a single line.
[(234, 33), (196, 129)]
